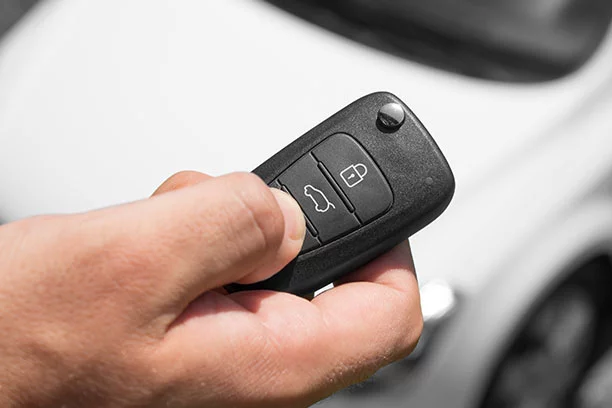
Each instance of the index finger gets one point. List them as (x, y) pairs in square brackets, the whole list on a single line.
[(375, 314), (308, 350), (346, 334)]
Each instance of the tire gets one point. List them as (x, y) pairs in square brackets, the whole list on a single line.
[(561, 339)]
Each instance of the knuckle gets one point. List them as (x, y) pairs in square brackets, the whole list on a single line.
[(182, 174), (185, 178)]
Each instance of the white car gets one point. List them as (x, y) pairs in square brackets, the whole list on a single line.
[(100, 101)]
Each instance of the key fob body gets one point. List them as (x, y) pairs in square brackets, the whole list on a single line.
[(367, 178)]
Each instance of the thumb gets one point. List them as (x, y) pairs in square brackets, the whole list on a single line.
[(194, 239)]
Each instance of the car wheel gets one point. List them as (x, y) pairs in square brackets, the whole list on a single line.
[(560, 340)]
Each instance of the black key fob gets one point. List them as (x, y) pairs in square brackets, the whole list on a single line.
[(367, 178)]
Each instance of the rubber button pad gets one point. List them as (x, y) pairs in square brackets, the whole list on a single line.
[(357, 175), (339, 187)]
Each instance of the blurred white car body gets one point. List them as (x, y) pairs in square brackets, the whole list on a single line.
[(100, 101)]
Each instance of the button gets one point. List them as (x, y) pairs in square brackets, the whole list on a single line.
[(309, 226), (310, 243), (357, 175), (318, 200), (343, 196), (391, 116)]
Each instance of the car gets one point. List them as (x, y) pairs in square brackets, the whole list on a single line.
[(101, 101)]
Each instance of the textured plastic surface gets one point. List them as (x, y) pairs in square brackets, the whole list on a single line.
[(420, 178)]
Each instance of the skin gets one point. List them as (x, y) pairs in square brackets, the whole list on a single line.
[(124, 307)]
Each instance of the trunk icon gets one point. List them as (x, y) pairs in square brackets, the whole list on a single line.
[(322, 204)]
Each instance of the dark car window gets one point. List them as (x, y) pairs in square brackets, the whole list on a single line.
[(508, 40), (12, 11)]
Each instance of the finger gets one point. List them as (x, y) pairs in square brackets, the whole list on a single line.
[(371, 320), (308, 349), (374, 317), (384, 295), (188, 241), (402, 255), (181, 180)]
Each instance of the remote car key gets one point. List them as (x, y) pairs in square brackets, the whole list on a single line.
[(367, 178)]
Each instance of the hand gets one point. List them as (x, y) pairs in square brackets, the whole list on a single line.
[(124, 307)]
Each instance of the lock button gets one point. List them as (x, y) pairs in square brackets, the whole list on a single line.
[(359, 178)]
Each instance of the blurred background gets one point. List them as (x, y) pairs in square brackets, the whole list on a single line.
[(102, 100)]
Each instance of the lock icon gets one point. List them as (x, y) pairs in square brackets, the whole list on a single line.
[(354, 174)]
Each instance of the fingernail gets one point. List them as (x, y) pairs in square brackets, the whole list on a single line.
[(295, 225)]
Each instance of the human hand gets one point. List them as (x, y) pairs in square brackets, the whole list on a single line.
[(124, 307)]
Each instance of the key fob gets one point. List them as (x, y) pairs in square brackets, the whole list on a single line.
[(367, 178)]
